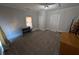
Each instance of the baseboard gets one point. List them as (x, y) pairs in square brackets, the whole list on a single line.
[(34, 29)]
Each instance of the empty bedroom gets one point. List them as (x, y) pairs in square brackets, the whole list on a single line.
[(39, 28)]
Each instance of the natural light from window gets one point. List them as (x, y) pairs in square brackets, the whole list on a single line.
[(29, 21)]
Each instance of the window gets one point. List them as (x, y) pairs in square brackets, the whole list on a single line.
[(29, 21)]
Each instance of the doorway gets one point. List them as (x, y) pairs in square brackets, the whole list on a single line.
[(29, 21)]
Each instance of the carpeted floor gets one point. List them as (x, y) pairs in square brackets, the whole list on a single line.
[(36, 43)]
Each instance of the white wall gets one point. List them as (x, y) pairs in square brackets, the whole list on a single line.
[(42, 16), (13, 20), (67, 14), (48, 22)]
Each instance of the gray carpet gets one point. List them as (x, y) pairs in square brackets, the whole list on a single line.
[(36, 43)]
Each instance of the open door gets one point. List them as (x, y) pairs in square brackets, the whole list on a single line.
[(29, 21), (5, 43)]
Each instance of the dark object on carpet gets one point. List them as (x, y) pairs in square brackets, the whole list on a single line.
[(26, 30)]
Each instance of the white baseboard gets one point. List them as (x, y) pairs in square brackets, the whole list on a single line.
[(34, 29)]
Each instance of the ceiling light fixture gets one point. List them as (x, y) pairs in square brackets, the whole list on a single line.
[(46, 5), (49, 5)]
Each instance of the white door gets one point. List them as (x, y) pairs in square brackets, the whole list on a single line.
[(54, 22)]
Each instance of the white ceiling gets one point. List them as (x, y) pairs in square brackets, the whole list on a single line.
[(37, 6)]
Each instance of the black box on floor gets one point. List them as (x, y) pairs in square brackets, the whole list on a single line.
[(26, 30)]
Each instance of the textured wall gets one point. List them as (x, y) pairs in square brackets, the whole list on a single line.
[(66, 16), (13, 20)]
